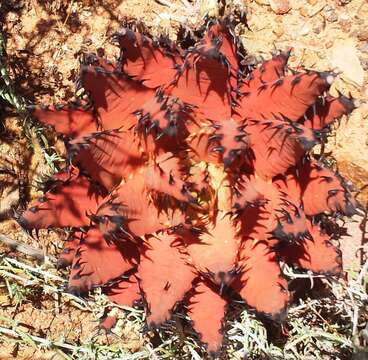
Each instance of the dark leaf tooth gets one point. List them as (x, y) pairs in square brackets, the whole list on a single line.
[(262, 88), (77, 276), (74, 290), (219, 149), (78, 253), (216, 137), (77, 266), (62, 264), (329, 77), (348, 103)]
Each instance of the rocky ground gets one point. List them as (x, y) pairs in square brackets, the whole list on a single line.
[(45, 39)]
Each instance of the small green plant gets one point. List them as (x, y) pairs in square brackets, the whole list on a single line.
[(7, 92)]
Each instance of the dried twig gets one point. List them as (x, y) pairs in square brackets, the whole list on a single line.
[(25, 249)]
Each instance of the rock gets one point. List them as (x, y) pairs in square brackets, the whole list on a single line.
[(330, 14), (280, 7), (344, 56), (358, 176), (362, 35), (278, 31)]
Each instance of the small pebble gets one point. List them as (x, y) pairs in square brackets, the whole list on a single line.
[(328, 44), (280, 7), (362, 35), (364, 47), (331, 16), (278, 31), (304, 12), (364, 63), (304, 30)]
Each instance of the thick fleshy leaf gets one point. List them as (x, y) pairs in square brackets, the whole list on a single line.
[(206, 309), (199, 144), (317, 254), (150, 61), (162, 123), (66, 204), (125, 292), (98, 261), (115, 97), (326, 110), (324, 191), (277, 145), (231, 142), (65, 259), (261, 283), (214, 251), (289, 212), (107, 156), (268, 72), (203, 82), (130, 211), (164, 276), (167, 175), (245, 194), (279, 215), (287, 97), (221, 34), (70, 119)]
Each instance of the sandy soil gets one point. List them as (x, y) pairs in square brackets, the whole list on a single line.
[(46, 38)]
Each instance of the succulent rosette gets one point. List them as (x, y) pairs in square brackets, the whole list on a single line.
[(190, 177)]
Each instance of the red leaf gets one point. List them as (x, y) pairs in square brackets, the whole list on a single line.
[(206, 308), (221, 34), (230, 141), (245, 194), (96, 154), (167, 176), (261, 284), (214, 251), (65, 259), (324, 191), (164, 276), (277, 145), (325, 111), (289, 212), (152, 62), (198, 141), (97, 261), (268, 72), (115, 97), (125, 292), (203, 82), (280, 215), (66, 204), (130, 211), (288, 97), (162, 123), (317, 254), (68, 120)]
